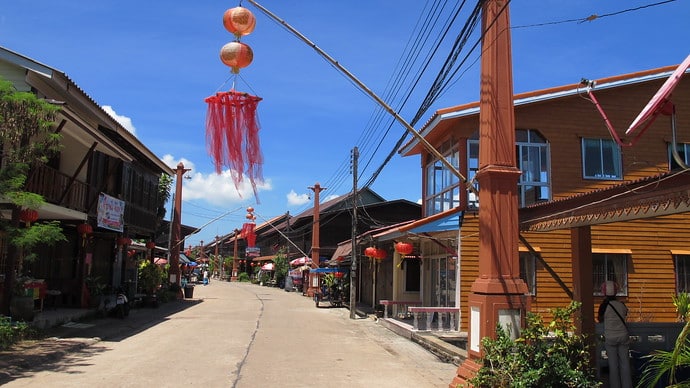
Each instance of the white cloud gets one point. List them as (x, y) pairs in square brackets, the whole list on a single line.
[(216, 189), (125, 121), (295, 199)]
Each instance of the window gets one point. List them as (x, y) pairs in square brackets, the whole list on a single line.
[(610, 266), (533, 160), (682, 264), (528, 271), (442, 185), (601, 159), (683, 152)]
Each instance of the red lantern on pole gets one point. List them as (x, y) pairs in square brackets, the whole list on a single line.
[(124, 241), (28, 216), (380, 254), (404, 248), (236, 55), (239, 21), (150, 244)]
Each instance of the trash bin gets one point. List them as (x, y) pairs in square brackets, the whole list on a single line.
[(189, 291)]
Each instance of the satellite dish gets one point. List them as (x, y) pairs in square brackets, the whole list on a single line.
[(657, 103)]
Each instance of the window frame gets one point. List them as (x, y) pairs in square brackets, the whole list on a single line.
[(608, 271), (616, 159), (442, 186), (685, 258), (684, 153), (528, 263)]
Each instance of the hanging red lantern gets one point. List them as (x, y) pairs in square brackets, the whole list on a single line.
[(84, 229), (236, 55), (380, 254), (150, 244), (28, 216), (239, 21), (123, 241), (370, 252), (404, 248), (338, 275)]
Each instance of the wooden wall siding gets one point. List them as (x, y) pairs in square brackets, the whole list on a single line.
[(651, 272)]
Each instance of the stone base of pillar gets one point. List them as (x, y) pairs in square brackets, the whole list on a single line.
[(233, 278)]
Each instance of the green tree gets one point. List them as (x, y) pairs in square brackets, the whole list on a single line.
[(26, 140), (281, 266)]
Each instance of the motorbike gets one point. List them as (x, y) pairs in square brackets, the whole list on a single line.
[(116, 305)]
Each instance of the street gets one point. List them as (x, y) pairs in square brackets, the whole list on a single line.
[(236, 335)]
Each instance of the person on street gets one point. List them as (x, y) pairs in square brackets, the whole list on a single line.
[(613, 314), (205, 277)]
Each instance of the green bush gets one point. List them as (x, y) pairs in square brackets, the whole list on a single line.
[(243, 277), (13, 332), (545, 355)]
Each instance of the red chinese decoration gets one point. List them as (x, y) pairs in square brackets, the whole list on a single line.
[(150, 245), (370, 252), (248, 233), (84, 229), (380, 254), (28, 216), (123, 241), (338, 275), (232, 126), (239, 21), (404, 248)]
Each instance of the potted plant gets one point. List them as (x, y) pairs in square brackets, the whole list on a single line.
[(95, 288), (150, 278), (22, 304)]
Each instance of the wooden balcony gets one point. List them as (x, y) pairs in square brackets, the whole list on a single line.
[(58, 188)]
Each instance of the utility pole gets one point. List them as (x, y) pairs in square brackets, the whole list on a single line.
[(175, 228), (220, 262), (233, 277), (353, 254), (497, 296), (315, 249)]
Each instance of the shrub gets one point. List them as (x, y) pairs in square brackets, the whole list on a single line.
[(545, 355), (243, 277), (13, 332)]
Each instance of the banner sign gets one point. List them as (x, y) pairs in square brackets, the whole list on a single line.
[(111, 213), (252, 251)]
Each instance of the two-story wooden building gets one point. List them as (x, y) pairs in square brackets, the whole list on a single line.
[(102, 187), (563, 149)]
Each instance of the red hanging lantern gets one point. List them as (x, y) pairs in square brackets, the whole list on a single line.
[(124, 241), (236, 55), (239, 21), (150, 244), (84, 229), (28, 216), (338, 275), (404, 248), (370, 252), (380, 254)]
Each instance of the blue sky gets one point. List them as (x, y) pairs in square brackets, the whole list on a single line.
[(152, 64)]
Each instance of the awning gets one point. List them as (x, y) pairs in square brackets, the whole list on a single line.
[(440, 222), (329, 270), (267, 267), (184, 259), (300, 261)]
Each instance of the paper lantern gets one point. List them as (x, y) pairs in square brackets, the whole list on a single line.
[(370, 252), (380, 254), (404, 248), (239, 21), (236, 55), (84, 229), (28, 216), (122, 241)]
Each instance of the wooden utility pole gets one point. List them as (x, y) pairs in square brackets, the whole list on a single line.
[(498, 295), (315, 249), (220, 262), (233, 277), (353, 254), (175, 235)]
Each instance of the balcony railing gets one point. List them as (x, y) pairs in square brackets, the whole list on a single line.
[(55, 188)]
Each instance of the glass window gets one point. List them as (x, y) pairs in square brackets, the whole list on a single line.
[(533, 159), (601, 159), (528, 271), (682, 263), (610, 266), (683, 152), (442, 185)]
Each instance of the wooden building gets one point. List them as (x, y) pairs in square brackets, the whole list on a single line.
[(563, 150)]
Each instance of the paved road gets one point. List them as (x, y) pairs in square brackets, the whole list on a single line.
[(231, 335)]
